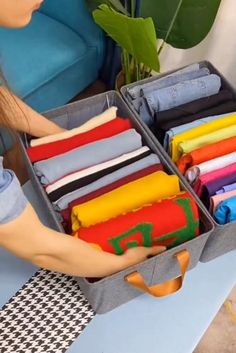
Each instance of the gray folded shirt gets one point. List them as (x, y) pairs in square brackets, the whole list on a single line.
[(52, 169), (63, 202)]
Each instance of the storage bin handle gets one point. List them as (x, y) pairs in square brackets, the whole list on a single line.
[(136, 280)]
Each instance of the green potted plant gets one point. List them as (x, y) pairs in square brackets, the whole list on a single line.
[(142, 27)]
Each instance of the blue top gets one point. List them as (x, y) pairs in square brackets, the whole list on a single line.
[(12, 198)]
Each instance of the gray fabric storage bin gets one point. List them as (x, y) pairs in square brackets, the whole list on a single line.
[(110, 292), (223, 239)]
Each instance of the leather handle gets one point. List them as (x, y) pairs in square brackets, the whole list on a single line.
[(136, 280)]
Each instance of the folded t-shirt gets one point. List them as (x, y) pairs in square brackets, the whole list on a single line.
[(88, 155), (194, 172), (226, 188), (226, 211), (146, 190), (210, 188), (182, 92), (85, 177), (206, 153), (216, 136), (213, 176), (63, 202), (147, 226), (98, 120), (66, 214), (55, 148), (164, 121), (216, 199), (199, 131)]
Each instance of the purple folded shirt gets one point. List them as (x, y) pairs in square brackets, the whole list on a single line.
[(210, 188), (226, 188)]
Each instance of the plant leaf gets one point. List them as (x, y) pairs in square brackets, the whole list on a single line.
[(193, 21), (116, 4), (136, 35)]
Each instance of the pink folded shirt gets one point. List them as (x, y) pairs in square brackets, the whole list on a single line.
[(216, 174), (215, 200)]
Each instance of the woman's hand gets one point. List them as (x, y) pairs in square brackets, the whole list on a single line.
[(136, 255), (25, 119), (29, 239)]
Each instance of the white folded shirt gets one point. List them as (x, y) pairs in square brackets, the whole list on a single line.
[(96, 121), (94, 169), (193, 173)]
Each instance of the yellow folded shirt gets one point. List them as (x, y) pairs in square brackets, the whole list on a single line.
[(128, 197), (219, 135), (199, 131)]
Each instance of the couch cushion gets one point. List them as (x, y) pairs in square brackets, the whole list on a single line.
[(36, 54)]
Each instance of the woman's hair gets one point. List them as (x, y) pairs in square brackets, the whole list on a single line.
[(4, 118), (9, 107)]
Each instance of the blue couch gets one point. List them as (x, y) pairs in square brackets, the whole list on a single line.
[(56, 56)]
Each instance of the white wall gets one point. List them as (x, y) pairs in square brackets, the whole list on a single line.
[(219, 47)]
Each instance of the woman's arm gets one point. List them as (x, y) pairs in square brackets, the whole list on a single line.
[(23, 118), (29, 239)]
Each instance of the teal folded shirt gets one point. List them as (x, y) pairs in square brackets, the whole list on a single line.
[(226, 211)]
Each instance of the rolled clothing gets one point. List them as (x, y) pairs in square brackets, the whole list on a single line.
[(164, 121), (204, 140), (86, 156), (63, 202), (98, 120), (146, 190), (213, 176), (216, 199), (52, 149), (150, 93), (199, 131), (226, 211), (170, 134), (168, 80), (87, 176), (206, 153), (226, 188), (194, 172), (148, 226), (66, 214), (183, 92), (210, 188)]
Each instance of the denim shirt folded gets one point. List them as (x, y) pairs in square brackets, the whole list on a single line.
[(134, 92), (12, 198), (139, 103), (183, 92)]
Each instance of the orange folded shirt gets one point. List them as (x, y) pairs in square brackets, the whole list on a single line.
[(206, 153)]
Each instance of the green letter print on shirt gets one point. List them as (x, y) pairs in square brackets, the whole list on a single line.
[(171, 239), (146, 232)]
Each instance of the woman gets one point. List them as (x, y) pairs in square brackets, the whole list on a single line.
[(21, 232)]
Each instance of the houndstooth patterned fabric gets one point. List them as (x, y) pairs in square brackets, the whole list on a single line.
[(45, 316)]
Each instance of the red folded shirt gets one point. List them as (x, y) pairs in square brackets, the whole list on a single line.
[(148, 226), (52, 149), (66, 214)]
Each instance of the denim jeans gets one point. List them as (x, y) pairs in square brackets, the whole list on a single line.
[(183, 92), (134, 92), (146, 105)]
